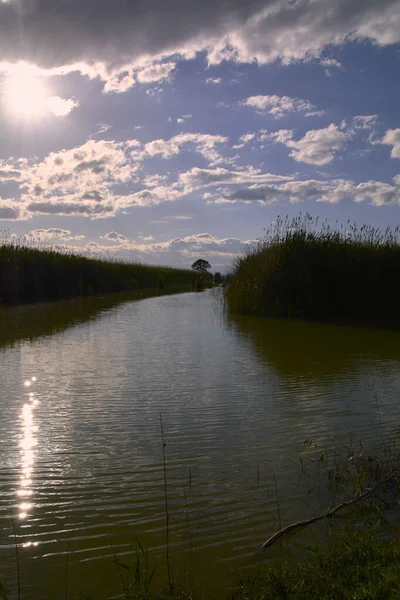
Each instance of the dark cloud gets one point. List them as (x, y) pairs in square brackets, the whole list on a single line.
[(52, 33), (71, 208), (56, 32), (258, 193), (113, 236), (96, 166), (8, 213), (9, 175)]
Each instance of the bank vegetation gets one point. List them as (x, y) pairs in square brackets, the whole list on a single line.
[(305, 269), (30, 274)]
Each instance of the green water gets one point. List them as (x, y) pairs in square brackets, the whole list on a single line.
[(82, 384)]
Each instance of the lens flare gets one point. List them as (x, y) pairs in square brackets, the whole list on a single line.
[(26, 95)]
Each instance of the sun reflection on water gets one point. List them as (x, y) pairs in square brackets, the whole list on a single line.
[(27, 448)]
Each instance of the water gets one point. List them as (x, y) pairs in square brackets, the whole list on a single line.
[(82, 386)]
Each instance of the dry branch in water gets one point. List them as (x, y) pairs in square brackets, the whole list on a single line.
[(330, 513)]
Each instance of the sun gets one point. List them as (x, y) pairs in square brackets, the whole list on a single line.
[(26, 95)]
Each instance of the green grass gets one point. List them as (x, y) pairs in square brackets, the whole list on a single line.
[(31, 274), (302, 268), (356, 566)]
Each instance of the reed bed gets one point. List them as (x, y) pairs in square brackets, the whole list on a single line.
[(307, 269), (30, 273)]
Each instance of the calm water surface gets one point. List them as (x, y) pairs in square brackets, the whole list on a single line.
[(82, 386)]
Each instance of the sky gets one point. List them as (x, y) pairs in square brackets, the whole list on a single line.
[(163, 131)]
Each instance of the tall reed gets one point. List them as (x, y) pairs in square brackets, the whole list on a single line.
[(304, 268), (31, 273)]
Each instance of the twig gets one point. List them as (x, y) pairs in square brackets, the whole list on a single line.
[(166, 502), (17, 559), (277, 500), (378, 409), (330, 513), (66, 568)]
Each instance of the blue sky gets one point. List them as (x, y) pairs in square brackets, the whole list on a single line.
[(166, 131)]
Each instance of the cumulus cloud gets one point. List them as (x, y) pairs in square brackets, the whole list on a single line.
[(203, 143), (115, 237), (333, 191), (184, 118), (9, 174), (60, 107), (155, 73), (365, 121), (79, 181), (317, 147), (301, 30), (280, 106), (117, 40), (103, 128), (244, 139), (72, 208), (11, 211), (392, 138), (331, 63), (53, 233), (182, 250), (95, 179), (197, 178)]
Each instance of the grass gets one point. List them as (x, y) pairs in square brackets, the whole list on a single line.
[(305, 269), (358, 565), (39, 274)]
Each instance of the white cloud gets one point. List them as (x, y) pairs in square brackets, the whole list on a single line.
[(165, 148), (244, 139), (279, 106), (120, 81), (203, 143), (53, 233), (396, 179), (317, 147), (60, 107), (184, 118), (365, 121), (154, 180), (156, 73), (103, 128), (379, 193), (331, 62), (392, 138), (79, 181), (247, 137), (301, 30), (155, 91), (214, 80), (188, 246)]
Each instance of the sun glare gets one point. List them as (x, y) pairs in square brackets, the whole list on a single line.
[(26, 95)]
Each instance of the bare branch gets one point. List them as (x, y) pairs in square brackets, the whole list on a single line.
[(330, 513)]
